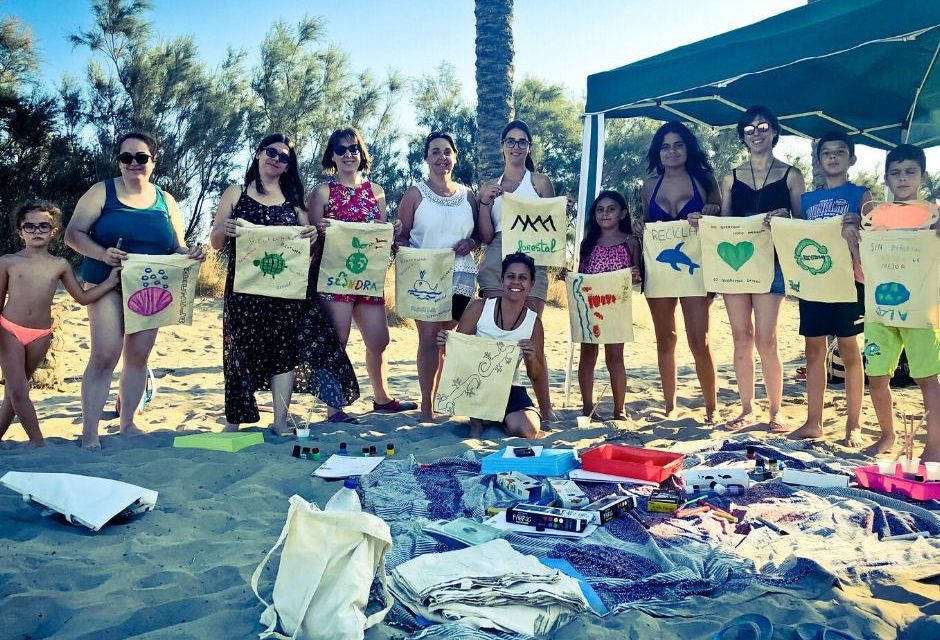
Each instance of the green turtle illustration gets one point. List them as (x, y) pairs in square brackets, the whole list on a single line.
[(872, 349), (272, 264), (358, 261)]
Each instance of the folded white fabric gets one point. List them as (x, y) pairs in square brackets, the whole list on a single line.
[(489, 586), (86, 500)]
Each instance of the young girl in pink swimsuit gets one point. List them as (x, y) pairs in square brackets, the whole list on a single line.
[(607, 246), (28, 281)]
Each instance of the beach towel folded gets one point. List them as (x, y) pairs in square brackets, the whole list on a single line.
[(489, 586), (85, 500)]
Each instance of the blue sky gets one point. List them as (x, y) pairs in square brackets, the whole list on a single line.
[(559, 41)]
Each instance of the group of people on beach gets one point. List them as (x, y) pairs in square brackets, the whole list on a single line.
[(300, 345)]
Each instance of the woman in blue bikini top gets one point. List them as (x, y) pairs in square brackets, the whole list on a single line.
[(685, 189)]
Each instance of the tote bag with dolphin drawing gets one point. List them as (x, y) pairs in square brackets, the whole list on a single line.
[(672, 256)]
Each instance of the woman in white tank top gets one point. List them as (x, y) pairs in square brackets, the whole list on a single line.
[(507, 317), (439, 213), (519, 176)]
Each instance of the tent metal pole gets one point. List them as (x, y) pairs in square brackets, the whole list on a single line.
[(592, 171)]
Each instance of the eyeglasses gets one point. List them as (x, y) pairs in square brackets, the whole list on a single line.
[(512, 142), (341, 149), (140, 157), (42, 227), (273, 153), (762, 127)]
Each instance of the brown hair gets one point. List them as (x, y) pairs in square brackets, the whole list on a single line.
[(365, 162)]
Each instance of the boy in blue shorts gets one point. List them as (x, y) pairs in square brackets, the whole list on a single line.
[(905, 168), (819, 320)]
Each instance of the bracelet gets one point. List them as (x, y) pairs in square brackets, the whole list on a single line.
[(485, 204)]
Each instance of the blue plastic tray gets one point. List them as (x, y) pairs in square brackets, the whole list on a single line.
[(552, 462)]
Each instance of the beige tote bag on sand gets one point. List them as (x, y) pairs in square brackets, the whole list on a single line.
[(424, 284), (476, 377), (535, 226), (737, 254), (600, 307), (355, 258), (329, 561), (672, 257), (271, 261), (158, 291), (902, 278), (815, 259)]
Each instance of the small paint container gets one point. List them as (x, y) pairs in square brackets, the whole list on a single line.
[(887, 466), (343, 450), (933, 471), (583, 422), (365, 451), (315, 454), (302, 434), (390, 450), (373, 451)]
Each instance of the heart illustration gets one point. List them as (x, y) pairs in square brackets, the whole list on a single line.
[(735, 255)]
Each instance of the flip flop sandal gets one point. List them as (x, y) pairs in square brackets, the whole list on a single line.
[(778, 426), (394, 406), (760, 626), (813, 631), (342, 416)]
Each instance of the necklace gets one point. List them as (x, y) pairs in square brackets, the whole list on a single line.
[(764, 184), (499, 316)]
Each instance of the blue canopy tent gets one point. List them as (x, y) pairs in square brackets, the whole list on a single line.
[(866, 67)]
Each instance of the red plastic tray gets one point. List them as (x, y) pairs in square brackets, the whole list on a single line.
[(870, 478), (632, 462)]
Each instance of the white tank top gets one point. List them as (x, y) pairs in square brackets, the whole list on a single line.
[(440, 223), (487, 328), (525, 188)]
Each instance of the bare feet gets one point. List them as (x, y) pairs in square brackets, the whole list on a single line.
[(90, 442), (549, 416), (35, 444), (853, 438), (619, 416), (745, 419), (229, 428), (930, 455), (476, 428), (808, 430), (281, 428), (884, 444), (131, 430), (710, 418)]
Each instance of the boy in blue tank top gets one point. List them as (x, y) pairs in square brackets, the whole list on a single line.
[(844, 320)]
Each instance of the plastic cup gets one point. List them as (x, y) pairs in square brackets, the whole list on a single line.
[(933, 471), (910, 467), (887, 466), (302, 434), (584, 422)]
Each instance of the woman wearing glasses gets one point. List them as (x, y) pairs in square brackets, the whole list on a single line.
[(274, 343), (348, 196), (519, 177), (770, 187), (127, 214), (439, 213)]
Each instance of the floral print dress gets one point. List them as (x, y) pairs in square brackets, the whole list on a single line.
[(265, 336)]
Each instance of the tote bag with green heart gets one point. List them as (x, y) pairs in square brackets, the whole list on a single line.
[(737, 254)]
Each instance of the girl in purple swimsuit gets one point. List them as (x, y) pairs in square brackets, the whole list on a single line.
[(683, 188)]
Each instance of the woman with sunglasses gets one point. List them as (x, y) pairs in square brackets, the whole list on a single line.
[(274, 343), (682, 186), (769, 187), (519, 177), (127, 214), (348, 196), (439, 213)]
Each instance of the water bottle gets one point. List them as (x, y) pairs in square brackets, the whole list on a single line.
[(346, 499)]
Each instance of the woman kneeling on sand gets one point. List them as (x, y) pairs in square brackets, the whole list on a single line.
[(507, 318)]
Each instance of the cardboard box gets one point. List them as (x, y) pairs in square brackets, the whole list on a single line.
[(662, 501), (610, 507), (520, 485), (534, 515), (567, 494)]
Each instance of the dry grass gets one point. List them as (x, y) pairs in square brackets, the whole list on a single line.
[(211, 282), (557, 290), (394, 320), (51, 373)]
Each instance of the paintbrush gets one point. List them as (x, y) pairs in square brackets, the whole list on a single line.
[(596, 404)]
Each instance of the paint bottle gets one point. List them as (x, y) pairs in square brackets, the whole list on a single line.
[(750, 453), (390, 450), (365, 451), (726, 490), (316, 453), (373, 451), (343, 450)]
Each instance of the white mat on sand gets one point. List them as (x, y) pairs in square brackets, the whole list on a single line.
[(84, 500)]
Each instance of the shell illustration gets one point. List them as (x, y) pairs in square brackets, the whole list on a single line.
[(149, 301)]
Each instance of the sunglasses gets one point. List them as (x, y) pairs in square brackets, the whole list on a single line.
[(140, 157), (762, 127), (273, 153), (341, 149), (512, 142), (42, 227)]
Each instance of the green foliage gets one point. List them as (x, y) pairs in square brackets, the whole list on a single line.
[(555, 120), (873, 180)]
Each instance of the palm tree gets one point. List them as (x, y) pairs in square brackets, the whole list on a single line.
[(495, 54)]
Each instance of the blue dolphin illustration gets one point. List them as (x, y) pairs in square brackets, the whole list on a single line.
[(675, 257)]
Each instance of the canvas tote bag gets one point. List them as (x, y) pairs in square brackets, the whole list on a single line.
[(327, 566)]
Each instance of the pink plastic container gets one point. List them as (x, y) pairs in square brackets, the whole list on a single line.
[(632, 462), (870, 478)]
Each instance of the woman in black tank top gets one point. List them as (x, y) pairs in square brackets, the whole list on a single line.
[(765, 186)]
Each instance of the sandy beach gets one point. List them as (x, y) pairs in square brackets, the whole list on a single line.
[(183, 570)]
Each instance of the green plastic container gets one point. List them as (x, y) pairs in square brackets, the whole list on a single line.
[(230, 442)]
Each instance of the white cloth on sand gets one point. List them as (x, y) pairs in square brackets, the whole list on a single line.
[(86, 500), (489, 586)]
